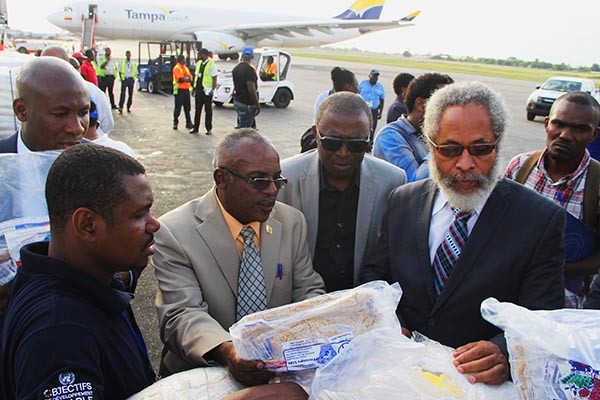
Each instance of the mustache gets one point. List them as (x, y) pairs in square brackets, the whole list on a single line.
[(148, 242), (465, 176)]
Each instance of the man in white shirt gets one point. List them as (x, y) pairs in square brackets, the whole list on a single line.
[(465, 235)]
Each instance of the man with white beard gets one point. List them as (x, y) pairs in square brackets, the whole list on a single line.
[(465, 235)]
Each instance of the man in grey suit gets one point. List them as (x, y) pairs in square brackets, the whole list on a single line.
[(466, 235), (206, 248), (341, 191)]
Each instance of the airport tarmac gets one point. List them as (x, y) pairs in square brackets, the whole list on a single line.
[(178, 164)]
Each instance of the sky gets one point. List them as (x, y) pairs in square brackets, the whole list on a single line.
[(555, 31)]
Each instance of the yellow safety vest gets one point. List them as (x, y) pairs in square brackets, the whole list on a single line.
[(122, 68), (102, 71), (207, 78)]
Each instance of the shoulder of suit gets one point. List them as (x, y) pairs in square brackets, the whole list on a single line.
[(380, 166), (283, 212), (293, 165), (182, 213)]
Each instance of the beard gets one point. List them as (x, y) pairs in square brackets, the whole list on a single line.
[(465, 201)]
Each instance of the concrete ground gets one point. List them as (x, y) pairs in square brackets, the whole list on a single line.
[(179, 164)]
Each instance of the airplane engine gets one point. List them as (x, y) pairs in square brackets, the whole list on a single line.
[(218, 42)]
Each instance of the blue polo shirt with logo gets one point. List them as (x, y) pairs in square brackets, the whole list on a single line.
[(67, 336)]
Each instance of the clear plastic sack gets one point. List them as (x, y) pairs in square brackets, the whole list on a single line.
[(310, 333), (206, 383), (23, 211), (384, 364), (553, 354)]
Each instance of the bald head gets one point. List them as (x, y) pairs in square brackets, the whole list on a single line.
[(53, 104), (55, 51)]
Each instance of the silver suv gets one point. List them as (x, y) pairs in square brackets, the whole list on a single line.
[(540, 101)]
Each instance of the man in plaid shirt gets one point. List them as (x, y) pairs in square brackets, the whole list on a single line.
[(561, 170)]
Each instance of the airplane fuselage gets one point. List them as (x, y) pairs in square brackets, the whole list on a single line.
[(148, 22)]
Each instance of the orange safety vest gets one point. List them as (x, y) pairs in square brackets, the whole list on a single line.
[(178, 72)]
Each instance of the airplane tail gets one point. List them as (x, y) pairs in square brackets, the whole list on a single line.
[(363, 9), (410, 16)]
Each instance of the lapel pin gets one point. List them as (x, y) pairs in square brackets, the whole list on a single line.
[(269, 229)]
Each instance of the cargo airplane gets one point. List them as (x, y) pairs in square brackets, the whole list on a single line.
[(224, 31)]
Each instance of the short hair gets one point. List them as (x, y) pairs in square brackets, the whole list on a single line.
[(581, 98), (88, 175), (90, 54), (462, 94), (74, 62), (204, 51), (230, 145), (344, 103), (180, 58), (341, 77), (423, 87), (401, 81), (55, 51)]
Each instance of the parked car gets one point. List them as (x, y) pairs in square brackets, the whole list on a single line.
[(540, 101)]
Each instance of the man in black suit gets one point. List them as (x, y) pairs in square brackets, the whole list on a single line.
[(466, 235), (53, 106)]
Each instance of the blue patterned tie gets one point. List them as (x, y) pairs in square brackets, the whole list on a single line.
[(447, 254), (252, 293)]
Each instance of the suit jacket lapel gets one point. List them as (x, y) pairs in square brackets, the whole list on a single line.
[(270, 242), (309, 196), (491, 215), (366, 202), (214, 232), (422, 237)]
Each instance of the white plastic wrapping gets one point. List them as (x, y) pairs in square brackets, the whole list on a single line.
[(308, 334), (553, 354), (383, 364), (208, 383), (23, 211)]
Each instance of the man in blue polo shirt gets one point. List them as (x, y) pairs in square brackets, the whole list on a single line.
[(374, 94), (69, 330)]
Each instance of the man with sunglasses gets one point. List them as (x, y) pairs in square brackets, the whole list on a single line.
[(208, 246), (465, 235), (565, 173), (340, 190)]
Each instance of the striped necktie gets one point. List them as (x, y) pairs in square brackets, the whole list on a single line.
[(252, 293), (447, 254)]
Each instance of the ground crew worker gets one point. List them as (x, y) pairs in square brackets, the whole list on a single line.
[(127, 74), (205, 83), (107, 68), (182, 81), (270, 71)]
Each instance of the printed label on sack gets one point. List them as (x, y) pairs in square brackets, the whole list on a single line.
[(306, 354), (573, 380)]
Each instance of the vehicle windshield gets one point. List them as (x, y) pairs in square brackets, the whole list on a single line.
[(561, 86)]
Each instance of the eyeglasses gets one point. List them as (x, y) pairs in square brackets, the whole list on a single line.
[(331, 143), (455, 150), (259, 183)]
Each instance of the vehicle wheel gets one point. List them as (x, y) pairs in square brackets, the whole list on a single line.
[(530, 116), (234, 56), (222, 57), (152, 87), (218, 103), (22, 50), (282, 98)]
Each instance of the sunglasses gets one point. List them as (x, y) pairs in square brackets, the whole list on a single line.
[(455, 150), (259, 183), (331, 143)]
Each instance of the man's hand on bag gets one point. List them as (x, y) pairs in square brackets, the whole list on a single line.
[(483, 362), (273, 391), (250, 373)]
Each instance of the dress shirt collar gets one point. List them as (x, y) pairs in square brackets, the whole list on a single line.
[(235, 226), (21, 146)]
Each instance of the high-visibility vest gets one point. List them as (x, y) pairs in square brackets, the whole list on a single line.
[(207, 78), (123, 67), (183, 71), (271, 70), (102, 71)]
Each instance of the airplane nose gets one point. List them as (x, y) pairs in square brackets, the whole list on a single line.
[(56, 18)]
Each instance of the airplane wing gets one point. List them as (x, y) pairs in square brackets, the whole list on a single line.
[(264, 30)]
